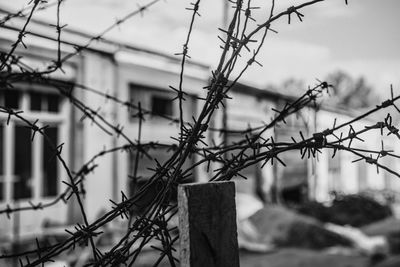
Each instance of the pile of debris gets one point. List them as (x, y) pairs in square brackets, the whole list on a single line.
[(350, 225)]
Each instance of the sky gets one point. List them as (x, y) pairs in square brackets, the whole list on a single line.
[(362, 38)]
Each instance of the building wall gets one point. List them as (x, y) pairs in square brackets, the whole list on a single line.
[(98, 73)]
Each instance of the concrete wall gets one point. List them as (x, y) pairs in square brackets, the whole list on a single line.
[(98, 73)]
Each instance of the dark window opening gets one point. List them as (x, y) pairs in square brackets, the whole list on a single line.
[(44, 102), (36, 101), (161, 106), (1, 163), (50, 172), (1, 149), (22, 163), (10, 98), (53, 103)]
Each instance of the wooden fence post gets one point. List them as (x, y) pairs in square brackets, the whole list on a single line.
[(207, 225)]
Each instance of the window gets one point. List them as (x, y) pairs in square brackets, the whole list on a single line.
[(161, 105), (293, 179), (10, 98), (160, 102), (22, 182), (28, 165), (1, 163), (49, 164), (44, 102)]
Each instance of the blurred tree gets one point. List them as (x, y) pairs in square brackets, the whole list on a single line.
[(351, 92), (293, 86)]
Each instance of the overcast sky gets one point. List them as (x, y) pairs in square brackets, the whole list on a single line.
[(362, 38)]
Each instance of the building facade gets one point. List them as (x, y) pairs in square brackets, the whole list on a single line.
[(29, 174)]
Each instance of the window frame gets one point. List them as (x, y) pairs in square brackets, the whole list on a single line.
[(145, 94), (59, 119), (167, 100)]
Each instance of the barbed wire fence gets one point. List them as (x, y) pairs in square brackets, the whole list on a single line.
[(239, 42)]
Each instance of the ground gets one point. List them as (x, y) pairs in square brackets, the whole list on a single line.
[(286, 257), (295, 257)]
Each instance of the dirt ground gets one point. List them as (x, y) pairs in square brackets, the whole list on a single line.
[(295, 257), (286, 257)]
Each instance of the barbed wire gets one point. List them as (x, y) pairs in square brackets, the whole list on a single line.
[(152, 225)]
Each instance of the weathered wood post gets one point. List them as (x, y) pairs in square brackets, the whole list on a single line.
[(207, 225)]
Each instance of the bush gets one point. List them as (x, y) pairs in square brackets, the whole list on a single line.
[(314, 209), (354, 210), (357, 210), (312, 236), (288, 229)]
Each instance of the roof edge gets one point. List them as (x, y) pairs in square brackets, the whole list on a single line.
[(81, 38)]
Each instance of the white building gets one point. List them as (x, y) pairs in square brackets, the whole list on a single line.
[(115, 69), (127, 72)]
